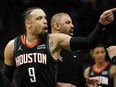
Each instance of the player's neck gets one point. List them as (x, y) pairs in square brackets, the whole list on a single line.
[(100, 65), (30, 39)]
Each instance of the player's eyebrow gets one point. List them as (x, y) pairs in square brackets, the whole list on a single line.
[(68, 22), (40, 17)]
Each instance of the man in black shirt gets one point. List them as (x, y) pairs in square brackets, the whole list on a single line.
[(70, 72)]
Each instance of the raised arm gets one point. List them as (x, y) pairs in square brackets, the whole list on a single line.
[(80, 43), (59, 41), (9, 67)]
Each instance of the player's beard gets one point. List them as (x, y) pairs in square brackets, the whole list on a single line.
[(70, 32), (43, 34)]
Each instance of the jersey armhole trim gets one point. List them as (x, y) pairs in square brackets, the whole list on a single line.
[(14, 50)]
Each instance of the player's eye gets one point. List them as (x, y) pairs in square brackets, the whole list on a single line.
[(67, 22), (39, 18)]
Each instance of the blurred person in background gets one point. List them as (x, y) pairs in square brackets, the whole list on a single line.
[(102, 69), (70, 72)]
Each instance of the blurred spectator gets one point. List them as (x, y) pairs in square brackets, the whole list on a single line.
[(102, 69)]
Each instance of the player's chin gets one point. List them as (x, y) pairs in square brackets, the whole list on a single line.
[(71, 34), (43, 34)]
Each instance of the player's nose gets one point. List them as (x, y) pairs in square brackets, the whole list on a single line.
[(45, 21), (72, 26)]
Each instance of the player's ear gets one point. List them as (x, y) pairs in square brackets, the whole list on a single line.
[(28, 23), (57, 26)]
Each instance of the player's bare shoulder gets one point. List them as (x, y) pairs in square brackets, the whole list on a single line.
[(8, 52), (59, 41), (86, 72), (10, 45), (56, 39), (59, 36), (53, 41)]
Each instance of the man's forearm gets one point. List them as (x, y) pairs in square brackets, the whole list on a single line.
[(80, 43), (8, 71)]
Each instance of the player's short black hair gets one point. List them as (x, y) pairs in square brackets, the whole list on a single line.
[(98, 45), (25, 14), (28, 11)]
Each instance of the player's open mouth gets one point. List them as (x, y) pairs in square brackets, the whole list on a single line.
[(45, 28), (71, 32)]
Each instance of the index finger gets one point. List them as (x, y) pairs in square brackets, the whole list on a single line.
[(113, 9)]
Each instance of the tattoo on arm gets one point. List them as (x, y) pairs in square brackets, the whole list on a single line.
[(51, 44)]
